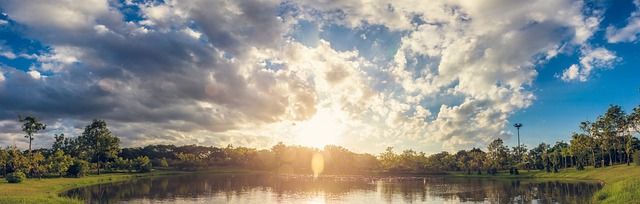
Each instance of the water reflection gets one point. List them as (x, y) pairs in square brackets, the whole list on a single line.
[(266, 188)]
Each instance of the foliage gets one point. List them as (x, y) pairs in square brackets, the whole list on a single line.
[(636, 158), (187, 161), (37, 165), (123, 164), (16, 177), (497, 155), (142, 164), (162, 162), (97, 143), (16, 160), (59, 162), (30, 125), (78, 169)]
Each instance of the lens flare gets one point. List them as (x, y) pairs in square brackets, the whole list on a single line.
[(317, 164)]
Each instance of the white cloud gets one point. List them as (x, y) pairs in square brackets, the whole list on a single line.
[(8, 54), (56, 13), (630, 32), (34, 74), (572, 73), (460, 70), (590, 59)]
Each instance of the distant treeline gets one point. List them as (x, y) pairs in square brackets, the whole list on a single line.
[(604, 142)]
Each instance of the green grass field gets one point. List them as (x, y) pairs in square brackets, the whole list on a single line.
[(621, 182)]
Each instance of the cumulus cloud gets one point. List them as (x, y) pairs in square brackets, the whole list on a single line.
[(590, 59), (181, 72), (628, 33)]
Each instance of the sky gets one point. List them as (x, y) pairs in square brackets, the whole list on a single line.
[(438, 75)]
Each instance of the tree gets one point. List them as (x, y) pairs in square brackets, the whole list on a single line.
[(605, 130), (58, 143), (633, 124), (278, 150), (477, 159), (612, 124), (123, 164), (388, 159), (59, 162), (97, 144), (31, 126), (37, 165), (16, 161), (497, 154), (580, 146), (591, 141), (4, 159), (463, 159), (537, 156), (78, 168), (142, 164)]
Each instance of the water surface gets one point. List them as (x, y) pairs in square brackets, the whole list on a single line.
[(272, 188)]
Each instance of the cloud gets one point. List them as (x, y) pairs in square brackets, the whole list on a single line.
[(591, 59), (628, 33), (443, 72)]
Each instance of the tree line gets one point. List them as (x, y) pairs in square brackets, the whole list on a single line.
[(605, 142)]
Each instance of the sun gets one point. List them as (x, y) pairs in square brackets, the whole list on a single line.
[(323, 129)]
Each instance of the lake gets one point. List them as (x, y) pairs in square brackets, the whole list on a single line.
[(275, 188)]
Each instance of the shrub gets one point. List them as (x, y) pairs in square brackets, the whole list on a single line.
[(142, 164), (16, 177), (78, 169), (636, 158)]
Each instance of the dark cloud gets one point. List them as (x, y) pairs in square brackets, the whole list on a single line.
[(154, 72)]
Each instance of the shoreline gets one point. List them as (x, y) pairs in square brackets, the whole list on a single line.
[(621, 183)]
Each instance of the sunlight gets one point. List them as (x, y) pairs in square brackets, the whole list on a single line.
[(323, 129), (317, 164)]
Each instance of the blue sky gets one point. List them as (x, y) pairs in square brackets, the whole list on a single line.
[(430, 76)]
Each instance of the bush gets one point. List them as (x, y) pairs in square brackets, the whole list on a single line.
[(142, 164), (16, 177), (636, 158), (78, 169)]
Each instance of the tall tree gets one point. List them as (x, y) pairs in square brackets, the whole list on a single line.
[(30, 125), (477, 159), (97, 143), (278, 150), (614, 126), (497, 154), (580, 148), (591, 141), (633, 122), (606, 136)]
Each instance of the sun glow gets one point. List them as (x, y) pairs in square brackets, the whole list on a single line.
[(323, 129)]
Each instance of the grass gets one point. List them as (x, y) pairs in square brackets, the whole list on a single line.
[(621, 182), (47, 190)]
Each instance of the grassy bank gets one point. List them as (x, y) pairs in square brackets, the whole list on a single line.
[(622, 183), (46, 190)]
